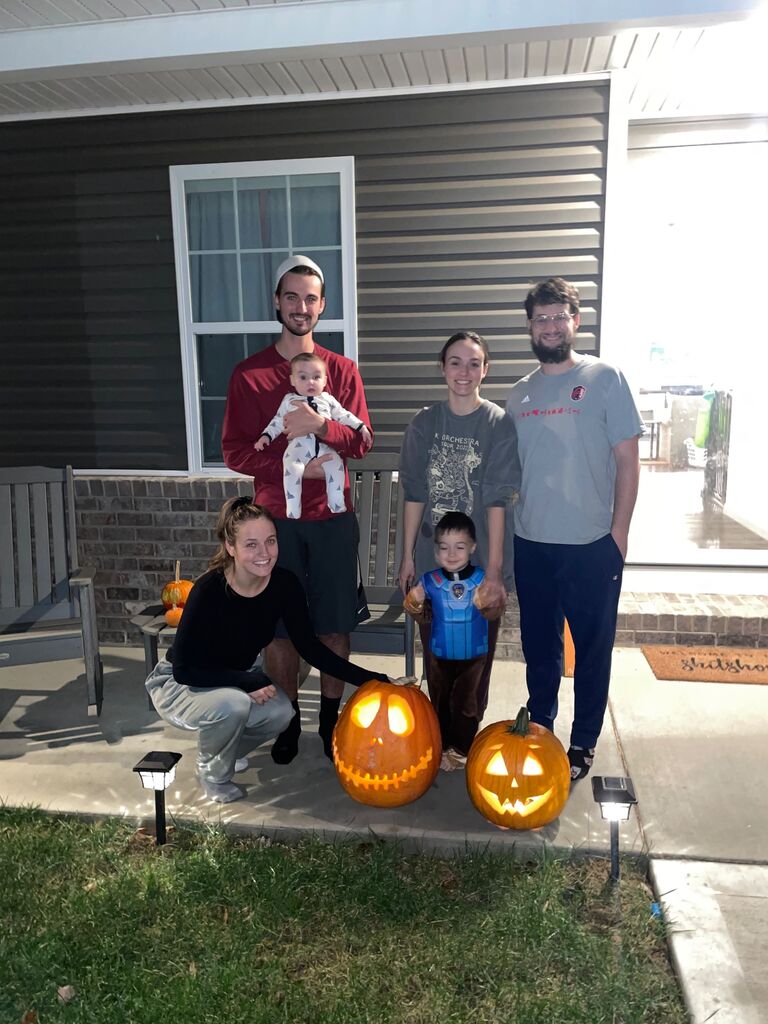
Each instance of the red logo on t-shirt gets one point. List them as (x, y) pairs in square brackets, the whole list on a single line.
[(578, 393)]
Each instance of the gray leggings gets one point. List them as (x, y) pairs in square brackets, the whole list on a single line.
[(219, 716)]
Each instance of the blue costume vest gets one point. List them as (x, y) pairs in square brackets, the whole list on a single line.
[(459, 631)]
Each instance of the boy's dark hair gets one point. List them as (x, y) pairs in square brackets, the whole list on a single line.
[(455, 522), (553, 291)]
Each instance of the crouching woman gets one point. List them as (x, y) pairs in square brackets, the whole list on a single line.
[(208, 683)]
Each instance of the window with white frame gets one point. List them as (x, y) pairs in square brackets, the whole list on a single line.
[(233, 225)]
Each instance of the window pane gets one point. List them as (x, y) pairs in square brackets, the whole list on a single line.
[(258, 270), (213, 417), (240, 226), (217, 355), (330, 264), (334, 341), (258, 342), (263, 212), (210, 215), (315, 213), (214, 288)]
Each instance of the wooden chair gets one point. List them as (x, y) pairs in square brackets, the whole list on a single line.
[(47, 603), (378, 502)]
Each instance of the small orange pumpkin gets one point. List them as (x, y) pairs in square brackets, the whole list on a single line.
[(173, 615), (386, 744), (176, 592), (518, 775)]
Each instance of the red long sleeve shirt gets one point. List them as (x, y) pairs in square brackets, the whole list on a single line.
[(256, 388)]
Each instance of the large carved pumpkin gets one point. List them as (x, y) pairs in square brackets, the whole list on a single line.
[(518, 774), (176, 592), (386, 744)]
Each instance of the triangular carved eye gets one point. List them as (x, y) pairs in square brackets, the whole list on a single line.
[(532, 767), (401, 721), (496, 765), (364, 712)]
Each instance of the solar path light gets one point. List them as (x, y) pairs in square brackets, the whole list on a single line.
[(157, 770), (616, 797)]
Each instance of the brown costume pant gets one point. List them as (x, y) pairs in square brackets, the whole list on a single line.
[(483, 681)]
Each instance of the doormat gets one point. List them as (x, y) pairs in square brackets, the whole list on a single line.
[(709, 664)]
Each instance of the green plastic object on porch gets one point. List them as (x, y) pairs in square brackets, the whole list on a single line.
[(701, 436)]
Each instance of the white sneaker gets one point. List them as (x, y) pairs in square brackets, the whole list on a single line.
[(222, 792), (241, 764), (458, 760)]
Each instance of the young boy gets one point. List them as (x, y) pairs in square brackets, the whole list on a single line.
[(308, 379), (453, 595)]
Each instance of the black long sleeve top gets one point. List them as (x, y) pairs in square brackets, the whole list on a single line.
[(221, 633)]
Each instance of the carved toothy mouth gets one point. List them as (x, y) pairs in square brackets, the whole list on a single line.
[(521, 807), (365, 780)]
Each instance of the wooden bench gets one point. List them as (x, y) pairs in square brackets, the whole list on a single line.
[(378, 503), (47, 602)]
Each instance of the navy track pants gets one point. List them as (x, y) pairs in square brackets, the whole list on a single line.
[(580, 582)]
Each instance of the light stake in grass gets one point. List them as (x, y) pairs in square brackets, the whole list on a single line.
[(616, 797), (157, 771)]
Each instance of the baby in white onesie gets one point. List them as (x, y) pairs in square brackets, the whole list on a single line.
[(308, 378)]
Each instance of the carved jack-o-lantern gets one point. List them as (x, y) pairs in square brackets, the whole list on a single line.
[(518, 774), (386, 744)]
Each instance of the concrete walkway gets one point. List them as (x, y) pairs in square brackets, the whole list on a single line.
[(696, 753)]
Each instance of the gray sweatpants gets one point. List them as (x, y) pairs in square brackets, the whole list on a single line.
[(219, 716)]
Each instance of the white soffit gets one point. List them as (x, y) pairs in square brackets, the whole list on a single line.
[(74, 57)]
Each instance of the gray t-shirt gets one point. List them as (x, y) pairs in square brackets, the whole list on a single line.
[(463, 464), (567, 425)]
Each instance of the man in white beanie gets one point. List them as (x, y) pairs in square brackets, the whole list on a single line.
[(320, 547)]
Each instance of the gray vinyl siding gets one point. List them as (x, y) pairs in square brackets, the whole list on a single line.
[(463, 199), (457, 220)]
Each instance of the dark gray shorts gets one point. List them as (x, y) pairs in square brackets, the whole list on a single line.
[(323, 554)]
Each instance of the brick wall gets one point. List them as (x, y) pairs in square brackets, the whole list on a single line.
[(133, 530), (695, 620)]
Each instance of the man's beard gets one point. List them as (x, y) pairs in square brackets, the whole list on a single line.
[(547, 354), (307, 329)]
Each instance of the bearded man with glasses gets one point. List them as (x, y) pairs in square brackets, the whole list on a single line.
[(578, 428)]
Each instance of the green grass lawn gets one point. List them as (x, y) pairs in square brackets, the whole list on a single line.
[(218, 928)]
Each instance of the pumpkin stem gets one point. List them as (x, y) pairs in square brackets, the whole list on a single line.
[(178, 567), (522, 723)]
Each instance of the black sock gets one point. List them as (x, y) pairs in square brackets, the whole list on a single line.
[(329, 714), (286, 746), (580, 759)]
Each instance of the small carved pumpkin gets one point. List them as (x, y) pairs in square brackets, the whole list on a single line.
[(386, 744), (518, 774), (173, 615), (176, 592)]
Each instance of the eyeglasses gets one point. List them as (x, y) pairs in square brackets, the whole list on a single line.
[(558, 319)]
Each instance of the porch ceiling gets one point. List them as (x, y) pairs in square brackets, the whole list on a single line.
[(63, 58)]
